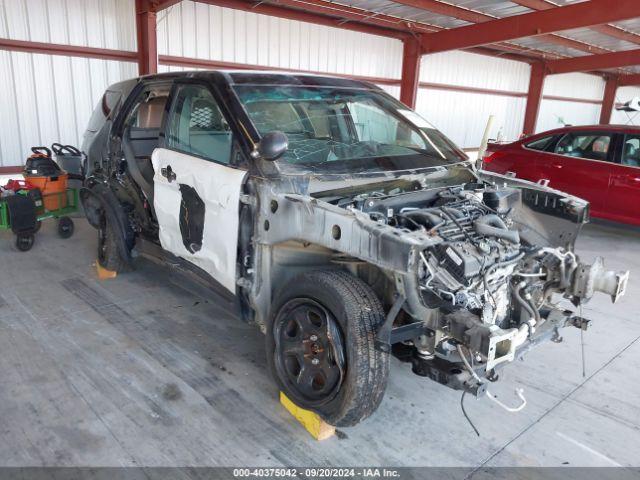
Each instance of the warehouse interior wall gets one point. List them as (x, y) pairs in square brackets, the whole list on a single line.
[(48, 98), (197, 30), (462, 115), (624, 94), (581, 86)]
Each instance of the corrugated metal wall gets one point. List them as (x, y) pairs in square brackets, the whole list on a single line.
[(45, 98), (203, 31), (624, 94), (556, 113), (49, 98), (462, 116)]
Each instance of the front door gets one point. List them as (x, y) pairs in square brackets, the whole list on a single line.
[(196, 189), (580, 165), (624, 194)]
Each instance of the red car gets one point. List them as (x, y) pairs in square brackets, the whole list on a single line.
[(599, 163)]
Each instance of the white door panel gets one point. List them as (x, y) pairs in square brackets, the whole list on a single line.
[(219, 187)]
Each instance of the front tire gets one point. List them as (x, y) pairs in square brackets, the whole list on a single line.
[(320, 346)]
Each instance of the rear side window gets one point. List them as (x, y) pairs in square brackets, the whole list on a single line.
[(631, 151), (594, 146), (540, 144), (196, 125)]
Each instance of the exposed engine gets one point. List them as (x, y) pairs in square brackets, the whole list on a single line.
[(491, 284)]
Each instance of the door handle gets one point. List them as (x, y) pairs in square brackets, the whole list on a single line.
[(168, 173), (557, 165)]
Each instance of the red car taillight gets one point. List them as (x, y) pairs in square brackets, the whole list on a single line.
[(490, 157), (487, 157)]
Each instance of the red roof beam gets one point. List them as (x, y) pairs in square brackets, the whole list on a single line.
[(67, 50), (629, 80), (146, 33), (624, 58), (534, 98), (162, 4), (447, 10), (608, 99), (473, 16), (585, 14), (610, 30), (304, 16), (411, 58)]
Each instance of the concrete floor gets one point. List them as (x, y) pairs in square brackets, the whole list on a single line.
[(139, 371)]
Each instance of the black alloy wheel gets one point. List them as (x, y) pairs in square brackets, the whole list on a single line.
[(309, 353)]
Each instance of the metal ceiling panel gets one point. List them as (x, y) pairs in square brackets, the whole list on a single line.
[(586, 35), (501, 9), (498, 9), (404, 12), (540, 44), (631, 25), (567, 2)]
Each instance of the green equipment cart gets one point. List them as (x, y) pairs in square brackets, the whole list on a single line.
[(60, 206)]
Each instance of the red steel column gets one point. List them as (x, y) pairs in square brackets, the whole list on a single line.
[(411, 56), (147, 37), (534, 97), (608, 100)]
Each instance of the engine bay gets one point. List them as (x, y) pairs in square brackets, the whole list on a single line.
[(478, 267)]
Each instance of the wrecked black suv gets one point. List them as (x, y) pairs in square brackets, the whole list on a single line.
[(344, 224)]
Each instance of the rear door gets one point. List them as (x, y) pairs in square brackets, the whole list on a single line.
[(580, 163), (196, 187), (624, 192)]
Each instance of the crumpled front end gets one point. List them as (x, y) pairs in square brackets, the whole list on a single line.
[(469, 267)]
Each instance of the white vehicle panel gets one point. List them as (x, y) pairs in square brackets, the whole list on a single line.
[(219, 187)]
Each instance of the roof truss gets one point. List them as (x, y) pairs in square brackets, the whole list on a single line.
[(585, 14)]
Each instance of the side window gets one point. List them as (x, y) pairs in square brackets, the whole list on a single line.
[(631, 151), (145, 117), (540, 144), (196, 125), (594, 146)]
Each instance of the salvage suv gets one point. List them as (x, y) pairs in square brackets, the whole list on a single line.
[(344, 225)]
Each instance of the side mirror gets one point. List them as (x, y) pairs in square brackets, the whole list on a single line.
[(273, 145)]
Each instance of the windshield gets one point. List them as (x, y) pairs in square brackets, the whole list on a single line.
[(345, 130)]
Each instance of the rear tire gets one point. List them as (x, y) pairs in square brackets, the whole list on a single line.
[(343, 314), (109, 256)]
